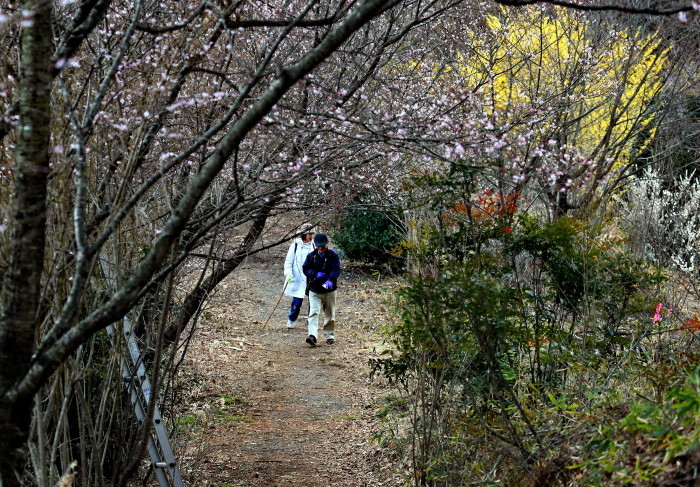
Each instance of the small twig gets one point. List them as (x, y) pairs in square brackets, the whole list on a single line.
[(273, 309), (634, 345)]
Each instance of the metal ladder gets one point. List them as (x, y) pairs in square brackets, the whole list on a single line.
[(139, 387)]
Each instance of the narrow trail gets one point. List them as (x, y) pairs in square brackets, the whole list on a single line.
[(266, 408)]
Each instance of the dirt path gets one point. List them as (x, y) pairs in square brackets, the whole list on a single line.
[(265, 409)]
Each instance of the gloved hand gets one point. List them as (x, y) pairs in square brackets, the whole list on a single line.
[(288, 278), (320, 274), (328, 284)]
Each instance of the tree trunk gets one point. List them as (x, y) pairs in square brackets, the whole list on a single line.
[(20, 293)]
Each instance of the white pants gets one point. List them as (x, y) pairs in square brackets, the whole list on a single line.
[(325, 302)]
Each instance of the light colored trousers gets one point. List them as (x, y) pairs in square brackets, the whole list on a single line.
[(325, 302)]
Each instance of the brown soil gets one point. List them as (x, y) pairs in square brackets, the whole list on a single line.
[(266, 409)]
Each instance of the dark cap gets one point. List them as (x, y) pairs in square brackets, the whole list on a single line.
[(320, 240)]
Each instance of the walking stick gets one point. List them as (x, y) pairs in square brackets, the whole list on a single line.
[(273, 309)]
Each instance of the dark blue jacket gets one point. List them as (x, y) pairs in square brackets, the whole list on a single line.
[(328, 263)]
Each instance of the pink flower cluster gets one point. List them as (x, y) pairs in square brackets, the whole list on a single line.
[(658, 315)]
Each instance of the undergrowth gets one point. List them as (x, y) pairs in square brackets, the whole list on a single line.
[(529, 352)]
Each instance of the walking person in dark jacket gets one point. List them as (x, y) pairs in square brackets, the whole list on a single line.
[(322, 268)]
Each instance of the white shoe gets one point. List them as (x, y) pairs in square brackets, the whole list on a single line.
[(290, 324)]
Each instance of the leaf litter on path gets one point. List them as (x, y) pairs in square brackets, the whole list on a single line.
[(276, 411)]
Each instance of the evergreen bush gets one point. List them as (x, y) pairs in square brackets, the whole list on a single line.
[(514, 331), (368, 234)]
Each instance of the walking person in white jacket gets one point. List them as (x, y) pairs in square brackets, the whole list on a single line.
[(294, 274)]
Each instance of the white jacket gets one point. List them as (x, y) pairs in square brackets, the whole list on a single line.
[(296, 255)]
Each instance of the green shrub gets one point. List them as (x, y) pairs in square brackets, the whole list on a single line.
[(369, 235), (653, 443), (502, 313)]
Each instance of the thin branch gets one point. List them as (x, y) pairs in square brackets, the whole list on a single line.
[(171, 28), (599, 7)]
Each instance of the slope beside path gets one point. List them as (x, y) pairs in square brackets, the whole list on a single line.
[(264, 408)]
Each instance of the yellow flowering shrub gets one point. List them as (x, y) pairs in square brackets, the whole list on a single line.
[(596, 88)]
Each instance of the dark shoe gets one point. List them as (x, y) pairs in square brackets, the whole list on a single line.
[(330, 341), (311, 340)]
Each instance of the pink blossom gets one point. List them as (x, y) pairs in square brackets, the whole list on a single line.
[(657, 315)]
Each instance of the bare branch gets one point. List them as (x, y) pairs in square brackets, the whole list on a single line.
[(601, 7)]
